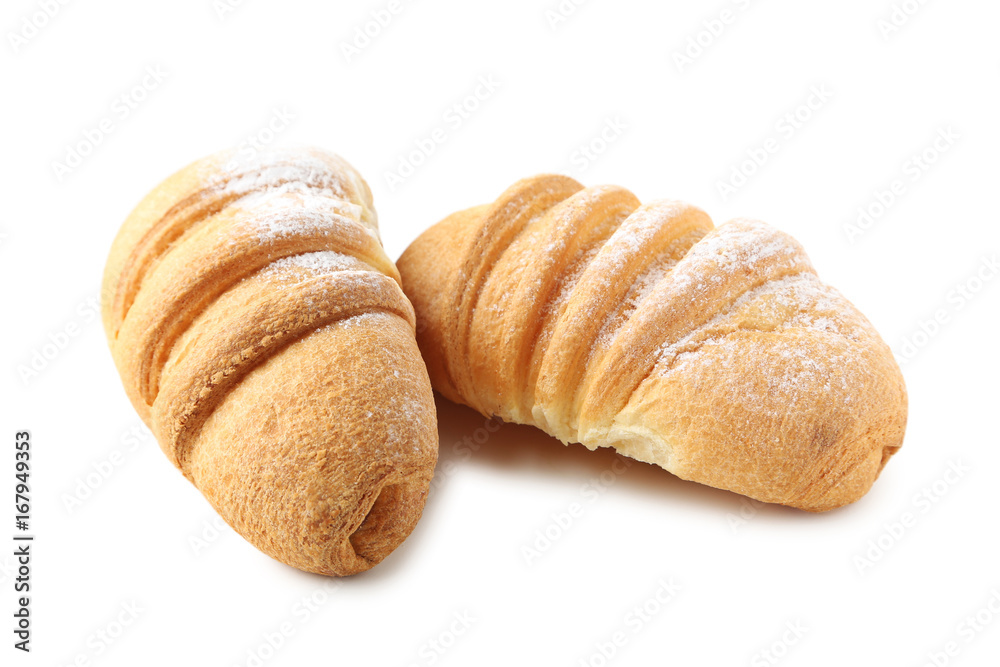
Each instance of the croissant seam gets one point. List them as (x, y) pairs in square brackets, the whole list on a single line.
[(183, 318), (185, 441), (155, 235)]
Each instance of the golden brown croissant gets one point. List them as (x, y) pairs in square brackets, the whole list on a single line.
[(714, 353), (260, 331)]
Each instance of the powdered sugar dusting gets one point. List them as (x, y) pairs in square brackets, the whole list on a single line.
[(401, 412), (279, 213), (739, 246), (312, 264), (292, 195), (641, 289), (785, 309), (571, 278), (305, 171), (638, 230), (375, 317), (633, 239)]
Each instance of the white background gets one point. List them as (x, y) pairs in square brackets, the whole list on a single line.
[(744, 572)]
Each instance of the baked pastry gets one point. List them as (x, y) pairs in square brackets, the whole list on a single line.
[(715, 353), (261, 332)]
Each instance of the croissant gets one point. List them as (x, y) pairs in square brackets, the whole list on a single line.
[(715, 353), (260, 331)]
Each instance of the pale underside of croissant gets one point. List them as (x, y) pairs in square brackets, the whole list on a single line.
[(715, 353), (261, 332)]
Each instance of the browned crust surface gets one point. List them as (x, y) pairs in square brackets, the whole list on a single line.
[(261, 332), (715, 353)]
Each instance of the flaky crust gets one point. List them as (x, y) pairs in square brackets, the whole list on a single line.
[(261, 333), (715, 353)]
